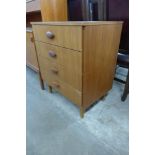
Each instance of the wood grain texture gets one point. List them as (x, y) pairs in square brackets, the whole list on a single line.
[(70, 59), (101, 44), (54, 10), (84, 56), (31, 58), (69, 37), (64, 73), (67, 90), (32, 6)]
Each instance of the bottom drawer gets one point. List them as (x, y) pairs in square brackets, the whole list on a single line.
[(65, 89)]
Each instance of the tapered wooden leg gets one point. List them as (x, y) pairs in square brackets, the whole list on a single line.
[(41, 82), (82, 112), (50, 89)]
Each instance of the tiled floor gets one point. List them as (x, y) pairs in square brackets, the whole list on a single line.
[(54, 126)]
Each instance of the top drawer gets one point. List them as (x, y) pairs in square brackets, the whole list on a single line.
[(64, 36)]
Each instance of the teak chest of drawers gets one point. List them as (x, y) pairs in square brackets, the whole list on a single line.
[(78, 58)]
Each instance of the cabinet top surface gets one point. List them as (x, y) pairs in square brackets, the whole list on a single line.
[(78, 23)]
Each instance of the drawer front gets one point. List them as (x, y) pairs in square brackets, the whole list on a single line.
[(44, 50), (65, 73), (67, 90), (60, 55), (64, 36)]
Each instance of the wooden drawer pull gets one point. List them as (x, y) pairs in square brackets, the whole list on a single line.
[(55, 71), (52, 54), (56, 85), (50, 35)]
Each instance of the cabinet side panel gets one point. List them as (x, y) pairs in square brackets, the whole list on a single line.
[(31, 57), (101, 44)]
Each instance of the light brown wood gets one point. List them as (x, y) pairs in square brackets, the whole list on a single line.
[(47, 10), (50, 89), (83, 63), (67, 90), (76, 23), (82, 111), (31, 59), (33, 5), (64, 73), (101, 44), (67, 62), (69, 37), (72, 94), (54, 10), (63, 56)]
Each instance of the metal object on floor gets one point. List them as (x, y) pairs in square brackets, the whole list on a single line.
[(126, 89), (123, 61)]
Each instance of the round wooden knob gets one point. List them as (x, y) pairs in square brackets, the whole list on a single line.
[(52, 54), (49, 34), (55, 71)]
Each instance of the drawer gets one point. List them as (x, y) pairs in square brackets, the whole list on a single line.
[(65, 73), (65, 89), (64, 36), (69, 59), (47, 76)]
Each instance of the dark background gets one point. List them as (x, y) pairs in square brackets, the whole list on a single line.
[(117, 10)]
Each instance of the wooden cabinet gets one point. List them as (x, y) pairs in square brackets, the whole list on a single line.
[(31, 58), (78, 58)]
